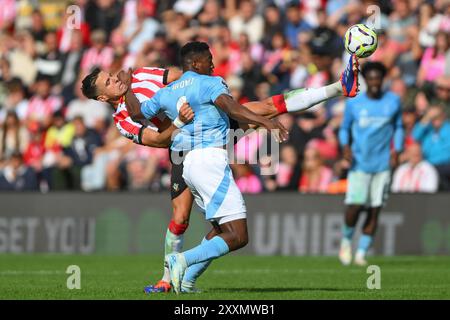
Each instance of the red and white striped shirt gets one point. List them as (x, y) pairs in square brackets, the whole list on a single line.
[(422, 177), (93, 57), (145, 83), (39, 109), (8, 12)]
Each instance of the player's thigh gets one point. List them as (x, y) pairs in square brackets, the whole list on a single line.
[(358, 187), (208, 175), (379, 188)]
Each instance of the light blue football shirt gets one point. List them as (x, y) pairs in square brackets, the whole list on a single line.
[(372, 126), (210, 125)]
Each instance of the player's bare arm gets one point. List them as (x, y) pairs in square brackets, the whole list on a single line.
[(163, 139), (148, 136), (133, 105)]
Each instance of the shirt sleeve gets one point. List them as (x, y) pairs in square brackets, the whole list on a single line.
[(344, 131), (151, 107), (216, 87), (419, 131)]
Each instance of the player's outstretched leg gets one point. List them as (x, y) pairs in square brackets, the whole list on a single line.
[(305, 98), (349, 78)]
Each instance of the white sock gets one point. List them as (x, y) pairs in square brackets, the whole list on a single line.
[(360, 254), (346, 242), (173, 243), (303, 99)]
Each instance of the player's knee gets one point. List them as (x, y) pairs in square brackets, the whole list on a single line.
[(181, 218), (177, 228), (244, 241), (241, 240)]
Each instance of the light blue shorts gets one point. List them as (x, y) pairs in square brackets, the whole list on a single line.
[(369, 189)]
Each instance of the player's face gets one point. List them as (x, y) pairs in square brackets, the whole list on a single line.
[(374, 80), (109, 86), (204, 64)]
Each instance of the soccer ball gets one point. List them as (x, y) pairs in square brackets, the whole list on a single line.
[(360, 40)]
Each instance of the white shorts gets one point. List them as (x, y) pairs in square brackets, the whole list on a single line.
[(369, 189), (207, 173)]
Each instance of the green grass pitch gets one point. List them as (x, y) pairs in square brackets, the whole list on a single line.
[(229, 278)]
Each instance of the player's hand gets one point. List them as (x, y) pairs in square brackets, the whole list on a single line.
[(186, 114), (280, 133), (394, 161), (431, 114), (347, 154), (125, 77)]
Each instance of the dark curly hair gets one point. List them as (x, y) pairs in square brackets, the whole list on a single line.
[(88, 87), (373, 66), (190, 50)]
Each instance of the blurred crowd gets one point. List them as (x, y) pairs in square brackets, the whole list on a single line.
[(53, 138)]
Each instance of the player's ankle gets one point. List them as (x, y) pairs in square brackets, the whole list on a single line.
[(360, 253), (346, 242)]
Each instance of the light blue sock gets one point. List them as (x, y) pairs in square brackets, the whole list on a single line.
[(364, 242), (214, 248), (347, 232), (196, 270)]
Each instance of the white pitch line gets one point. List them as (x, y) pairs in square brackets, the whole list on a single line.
[(33, 272)]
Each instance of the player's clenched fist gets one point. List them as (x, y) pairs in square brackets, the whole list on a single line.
[(186, 114), (125, 77)]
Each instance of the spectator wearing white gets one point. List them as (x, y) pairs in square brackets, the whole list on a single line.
[(99, 55), (21, 57), (15, 100), (43, 104), (434, 22), (49, 63), (416, 175), (248, 22), (93, 112), (189, 8), (140, 31)]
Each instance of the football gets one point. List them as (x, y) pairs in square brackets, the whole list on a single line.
[(360, 40)]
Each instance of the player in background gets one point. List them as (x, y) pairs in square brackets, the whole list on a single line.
[(146, 81), (372, 121)]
